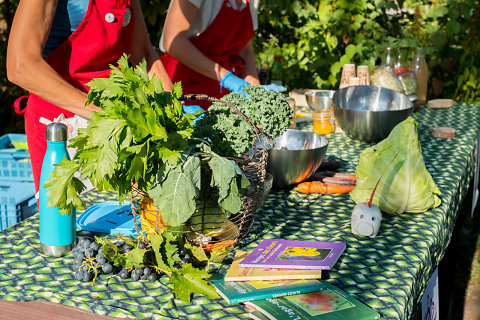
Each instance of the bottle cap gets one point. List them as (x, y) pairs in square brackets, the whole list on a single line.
[(56, 132)]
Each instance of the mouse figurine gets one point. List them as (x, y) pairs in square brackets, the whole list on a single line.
[(366, 219)]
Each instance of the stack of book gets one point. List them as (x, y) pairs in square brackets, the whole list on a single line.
[(281, 279)]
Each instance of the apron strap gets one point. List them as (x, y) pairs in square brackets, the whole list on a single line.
[(17, 105)]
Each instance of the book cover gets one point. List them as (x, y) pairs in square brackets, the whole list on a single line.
[(257, 315), (241, 291), (237, 273), (329, 303), (274, 253)]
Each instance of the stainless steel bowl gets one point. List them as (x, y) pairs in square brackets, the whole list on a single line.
[(319, 100), (295, 156), (369, 113)]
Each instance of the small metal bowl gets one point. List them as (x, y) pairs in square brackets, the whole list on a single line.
[(295, 155), (369, 113)]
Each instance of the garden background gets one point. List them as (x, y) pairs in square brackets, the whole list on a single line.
[(315, 39)]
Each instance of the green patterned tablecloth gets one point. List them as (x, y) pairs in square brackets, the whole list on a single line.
[(388, 273)]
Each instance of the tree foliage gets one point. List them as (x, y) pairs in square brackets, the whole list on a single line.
[(315, 38)]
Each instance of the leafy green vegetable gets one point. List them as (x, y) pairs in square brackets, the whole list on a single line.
[(231, 135), (406, 185), (142, 136)]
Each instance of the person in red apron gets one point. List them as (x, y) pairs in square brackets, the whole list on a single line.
[(220, 58), (58, 82)]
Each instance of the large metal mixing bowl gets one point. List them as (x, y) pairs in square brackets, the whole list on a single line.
[(369, 113), (319, 100), (295, 156)]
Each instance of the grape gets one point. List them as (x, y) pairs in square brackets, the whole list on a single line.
[(152, 277), (88, 276), (101, 260), (144, 277), (141, 245), (186, 256), (107, 268), (85, 268), (183, 251), (147, 271), (139, 271), (135, 276), (86, 243), (79, 275), (94, 246), (124, 274), (127, 247), (89, 253)]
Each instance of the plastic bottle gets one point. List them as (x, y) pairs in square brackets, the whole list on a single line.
[(420, 68), (57, 232), (277, 72)]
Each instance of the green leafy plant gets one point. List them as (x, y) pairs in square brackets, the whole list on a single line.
[(162, 256), (142, 137), (230, 134)]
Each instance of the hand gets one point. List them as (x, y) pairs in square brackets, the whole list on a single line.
[(274, 87), (234, 83)]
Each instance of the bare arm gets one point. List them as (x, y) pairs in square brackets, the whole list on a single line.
[(179, 19), (25, 64), (142, 47), (250, 73)]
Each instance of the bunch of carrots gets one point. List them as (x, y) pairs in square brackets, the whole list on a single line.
[(328, 183)]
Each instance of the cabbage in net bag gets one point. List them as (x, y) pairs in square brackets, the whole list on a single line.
[(406, 185)]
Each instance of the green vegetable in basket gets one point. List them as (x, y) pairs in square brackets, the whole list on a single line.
[(230, 134), (406, 185), (142, 136)]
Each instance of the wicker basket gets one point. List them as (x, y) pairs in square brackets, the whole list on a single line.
[(204, 233)]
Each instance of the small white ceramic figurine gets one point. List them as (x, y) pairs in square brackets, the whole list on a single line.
[(366, 219)]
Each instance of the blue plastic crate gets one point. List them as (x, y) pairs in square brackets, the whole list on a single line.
[(14, 163), (17, 202)]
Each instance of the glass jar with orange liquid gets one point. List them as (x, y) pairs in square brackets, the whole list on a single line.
[(323, 122)]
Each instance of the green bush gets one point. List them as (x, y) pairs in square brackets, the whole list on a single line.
[(315, 38)]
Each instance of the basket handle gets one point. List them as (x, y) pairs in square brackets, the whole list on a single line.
[(257, 130)]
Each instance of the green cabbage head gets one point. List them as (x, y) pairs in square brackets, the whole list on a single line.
[(406, 185)]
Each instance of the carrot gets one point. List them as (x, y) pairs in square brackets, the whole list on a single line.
[(320, 187), (217, 246)]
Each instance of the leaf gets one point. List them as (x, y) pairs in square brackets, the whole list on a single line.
[(63, 187), (175, 197), (197, 252), (217, 256), (189, 280), (156, 241), (134, 258)]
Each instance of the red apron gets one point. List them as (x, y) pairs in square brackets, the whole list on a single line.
[(99, 41), (221, 42)]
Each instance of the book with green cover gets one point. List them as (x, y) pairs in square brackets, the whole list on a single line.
[(329, 303), (241, 291)]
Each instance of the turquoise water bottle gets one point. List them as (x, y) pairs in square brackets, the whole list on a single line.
[(57, 232)]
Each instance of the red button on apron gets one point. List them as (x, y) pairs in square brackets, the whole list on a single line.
[(109, 17)]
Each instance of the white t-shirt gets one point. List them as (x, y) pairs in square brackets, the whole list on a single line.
[(208, 10)]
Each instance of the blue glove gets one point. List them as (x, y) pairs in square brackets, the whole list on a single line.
[(234, 83), (193, 109), (274, 87)]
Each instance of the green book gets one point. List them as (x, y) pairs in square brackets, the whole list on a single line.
[(241, 291), (329, 303)]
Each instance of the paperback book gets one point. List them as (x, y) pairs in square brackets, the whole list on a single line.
[(329, 303), (241, 291), (274, 253), (237, 273)]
